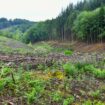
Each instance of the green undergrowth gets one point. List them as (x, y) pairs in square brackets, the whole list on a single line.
[(75, 69), (41, 48), (67, 84)]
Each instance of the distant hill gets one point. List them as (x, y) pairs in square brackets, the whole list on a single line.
[(5, 23)]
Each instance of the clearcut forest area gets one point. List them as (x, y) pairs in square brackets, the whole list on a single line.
[(55, 62)]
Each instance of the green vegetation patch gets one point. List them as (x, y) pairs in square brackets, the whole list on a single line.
[(53, 85)]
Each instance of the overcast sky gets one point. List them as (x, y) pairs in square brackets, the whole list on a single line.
[(34, 10)]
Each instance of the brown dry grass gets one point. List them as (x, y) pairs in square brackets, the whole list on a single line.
[(80, 46)]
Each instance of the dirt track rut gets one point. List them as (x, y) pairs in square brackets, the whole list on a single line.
[(35, 60)]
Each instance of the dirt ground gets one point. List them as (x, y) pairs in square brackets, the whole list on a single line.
[(82, 53)]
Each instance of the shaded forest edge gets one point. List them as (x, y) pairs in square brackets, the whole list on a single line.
[(84, 21)]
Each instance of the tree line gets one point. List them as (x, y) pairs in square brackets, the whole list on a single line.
[(5, 23), (84, 21)]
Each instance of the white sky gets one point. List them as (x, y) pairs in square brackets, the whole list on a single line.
[(34, 10)]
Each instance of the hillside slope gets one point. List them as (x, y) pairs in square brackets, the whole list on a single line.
[(80, 46), (8, 45), (83, 47), (11, 46)]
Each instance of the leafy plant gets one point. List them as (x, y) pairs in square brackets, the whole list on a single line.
[(31, 96), (37, 87), (2, 84), (99, 103), (68, 52), (41, 67), (56, 96), (89, 68), (96, 94), (88, 102), (5, 71), (69, 100), (69, 69), (99, 73)]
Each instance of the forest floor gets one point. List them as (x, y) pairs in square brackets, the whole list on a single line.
[(43, 79)]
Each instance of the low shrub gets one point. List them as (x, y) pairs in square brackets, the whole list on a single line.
[(69, 69)]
